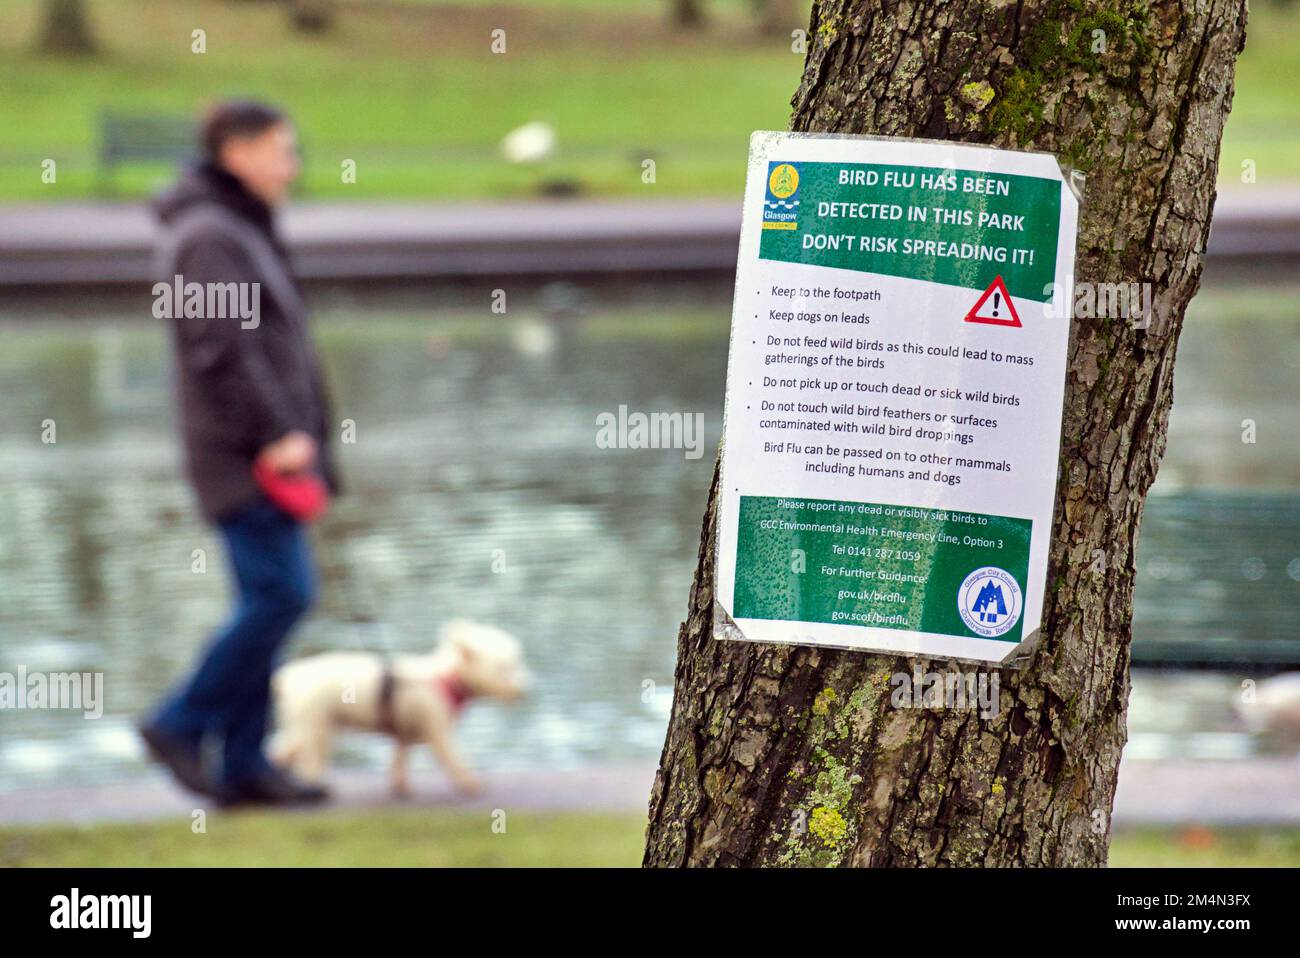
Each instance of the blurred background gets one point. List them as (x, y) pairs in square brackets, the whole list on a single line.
[(586, 157)]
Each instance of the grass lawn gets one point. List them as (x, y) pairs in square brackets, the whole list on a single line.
[(461, 838), (1206, 848), (391, 838), (412, 93)]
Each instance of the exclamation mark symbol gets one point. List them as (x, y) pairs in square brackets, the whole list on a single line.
[(996, 297)]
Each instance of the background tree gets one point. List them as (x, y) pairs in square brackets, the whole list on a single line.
[(776, 17), (311, 16), (793, 755), (65, 28), (687, 14)]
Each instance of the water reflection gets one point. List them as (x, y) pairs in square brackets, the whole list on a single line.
[(476, 452)]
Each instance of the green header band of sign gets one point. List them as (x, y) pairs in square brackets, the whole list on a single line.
[(872, 564), (957, 227)]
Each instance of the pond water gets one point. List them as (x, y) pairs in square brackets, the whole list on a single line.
[(477, 489)]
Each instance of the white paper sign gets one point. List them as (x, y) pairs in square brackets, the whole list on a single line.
[(894, 390)]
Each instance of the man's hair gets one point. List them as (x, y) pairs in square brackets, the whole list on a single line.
[(235, 119)]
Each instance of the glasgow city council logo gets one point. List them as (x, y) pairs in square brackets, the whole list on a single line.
[(781, 204), (990, 601), (783, 181)]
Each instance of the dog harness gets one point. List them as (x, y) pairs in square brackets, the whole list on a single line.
[(456, 692)]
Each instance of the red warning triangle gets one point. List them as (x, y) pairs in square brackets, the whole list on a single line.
[(994, 307)]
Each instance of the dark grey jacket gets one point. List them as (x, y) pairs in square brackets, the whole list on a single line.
[(239, 386)]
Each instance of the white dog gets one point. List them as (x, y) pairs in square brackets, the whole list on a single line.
[(413, 698)]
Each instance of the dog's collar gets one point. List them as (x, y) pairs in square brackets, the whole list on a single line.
[(455, 690)]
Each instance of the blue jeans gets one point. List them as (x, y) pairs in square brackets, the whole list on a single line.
[(230, 693)]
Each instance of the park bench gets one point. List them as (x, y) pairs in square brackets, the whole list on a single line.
[(141, 138)]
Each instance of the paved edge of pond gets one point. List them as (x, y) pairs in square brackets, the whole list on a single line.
[(51, 245), (1262, 791)]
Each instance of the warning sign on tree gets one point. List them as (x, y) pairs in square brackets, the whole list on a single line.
[(994, 307), (894, 395)]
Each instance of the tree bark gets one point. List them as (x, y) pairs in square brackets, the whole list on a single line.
[(793, 755)]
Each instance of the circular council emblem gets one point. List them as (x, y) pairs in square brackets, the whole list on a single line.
[(783, 181), (990, 601)]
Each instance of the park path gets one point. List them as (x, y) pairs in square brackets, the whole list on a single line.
[(621, 788), (1251, 792)]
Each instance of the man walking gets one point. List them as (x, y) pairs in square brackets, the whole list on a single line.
[(250, 395)]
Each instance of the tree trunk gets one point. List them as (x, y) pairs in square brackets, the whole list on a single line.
[(794, 755), (65, 29)]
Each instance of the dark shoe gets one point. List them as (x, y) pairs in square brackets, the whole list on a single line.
[(181, 759), (271, 787)]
